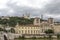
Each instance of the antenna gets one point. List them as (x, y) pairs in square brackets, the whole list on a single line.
[(27, 14), (23, 15), (41, 16)]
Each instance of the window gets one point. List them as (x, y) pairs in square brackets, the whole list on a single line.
[(25, 31), (31, 31), (28, 31), (22, 31), (34, 31), (22, 27), (19, 31)]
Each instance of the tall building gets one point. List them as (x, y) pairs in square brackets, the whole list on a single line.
[(36, 21), (50, 20), (41, 16)]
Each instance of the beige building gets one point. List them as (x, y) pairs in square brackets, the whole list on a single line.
[(39, 26), (28, 29)]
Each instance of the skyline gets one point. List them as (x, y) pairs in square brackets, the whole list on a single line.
[(49, 8)]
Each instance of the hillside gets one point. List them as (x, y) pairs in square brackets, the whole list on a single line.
[(12, 21)]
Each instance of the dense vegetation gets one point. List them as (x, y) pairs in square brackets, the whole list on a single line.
[(49, 32), (12, 21)]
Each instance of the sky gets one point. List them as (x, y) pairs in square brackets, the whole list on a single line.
[(47, 8)]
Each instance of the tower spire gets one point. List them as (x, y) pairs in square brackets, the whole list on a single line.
[(41, 16)]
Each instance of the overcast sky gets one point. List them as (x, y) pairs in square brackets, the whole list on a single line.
[(48, 8)]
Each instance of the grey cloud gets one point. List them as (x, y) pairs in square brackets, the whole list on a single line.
[(52, 8), (24, 9)]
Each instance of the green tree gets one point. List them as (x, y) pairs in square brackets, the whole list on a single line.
[(12, 23), (4, 22), (58, 35), (49, 32), (1, 29)]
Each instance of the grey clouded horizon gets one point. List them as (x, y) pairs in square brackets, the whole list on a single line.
[(48, 8)]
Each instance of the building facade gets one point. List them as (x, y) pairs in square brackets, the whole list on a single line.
[(39, 26), (28, 30)]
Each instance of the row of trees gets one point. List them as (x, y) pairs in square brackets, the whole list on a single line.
[(12, 21), (50, 32)]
